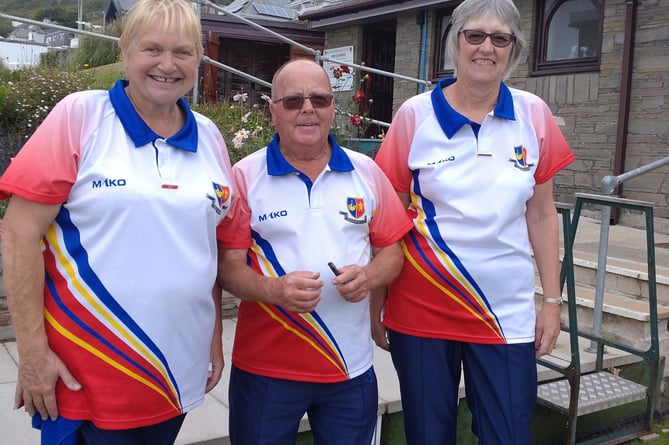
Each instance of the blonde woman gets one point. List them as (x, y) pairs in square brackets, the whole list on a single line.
[(109, 246)]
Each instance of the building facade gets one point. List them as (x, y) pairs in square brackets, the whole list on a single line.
[(602, 66)]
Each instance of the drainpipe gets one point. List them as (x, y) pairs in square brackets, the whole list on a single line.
[(422, 21), (196, 86), (625, 93)]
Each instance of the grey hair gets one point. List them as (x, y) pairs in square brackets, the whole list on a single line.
[(503, 10)]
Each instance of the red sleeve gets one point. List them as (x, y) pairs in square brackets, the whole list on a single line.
[(554, 152), (393, 155), (234, 232), (390, 222), (45, 168)]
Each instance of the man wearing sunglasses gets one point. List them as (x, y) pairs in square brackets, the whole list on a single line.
[(317, 229), (474, 161)]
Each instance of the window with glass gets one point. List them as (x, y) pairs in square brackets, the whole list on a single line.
[(568, 36), (443, 66)]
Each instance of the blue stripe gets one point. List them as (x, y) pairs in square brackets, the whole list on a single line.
[(433, 229), (270, 255), (76, 250)]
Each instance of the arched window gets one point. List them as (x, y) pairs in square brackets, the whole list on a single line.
[(442, 64), (568, 36)]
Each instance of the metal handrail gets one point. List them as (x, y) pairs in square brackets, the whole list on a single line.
[(572, 370), (609, 184), (317, 54), (651, 355)]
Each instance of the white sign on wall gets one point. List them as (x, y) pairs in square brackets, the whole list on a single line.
[(339, 79)]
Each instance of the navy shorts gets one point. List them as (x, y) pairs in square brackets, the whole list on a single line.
[(164, 433), (500, 385), (265, 410)]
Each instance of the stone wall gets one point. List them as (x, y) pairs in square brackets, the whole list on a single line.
[(348, 36), (589, 104), (6, 330), (407, 56)]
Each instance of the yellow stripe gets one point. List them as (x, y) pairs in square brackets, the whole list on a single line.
[(448, 292), (445, 259), (103, 312), (314, 324), (303, 337), (96, 352), (262, 260), (269, 270)]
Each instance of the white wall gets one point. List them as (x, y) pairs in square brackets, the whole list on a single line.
[(15, 55)]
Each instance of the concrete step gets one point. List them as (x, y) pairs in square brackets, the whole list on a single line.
[(625, 277), (625, 319)]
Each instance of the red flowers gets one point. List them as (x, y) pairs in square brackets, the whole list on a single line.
[(359, 97), (338, 72)]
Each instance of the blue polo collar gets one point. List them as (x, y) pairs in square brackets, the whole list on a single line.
[(451, 121), (278, 166), (139, 132)]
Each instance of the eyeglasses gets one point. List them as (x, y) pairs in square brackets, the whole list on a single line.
[(296, 102), (498, 39)]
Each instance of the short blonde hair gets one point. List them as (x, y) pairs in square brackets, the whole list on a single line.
[(171, 16)]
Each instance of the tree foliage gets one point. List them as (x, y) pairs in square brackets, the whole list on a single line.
[(28, 8), (63, 16), (5, 27)]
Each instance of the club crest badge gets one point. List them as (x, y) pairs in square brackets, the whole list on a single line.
[(355, 210), (520, 158), (221, 196)]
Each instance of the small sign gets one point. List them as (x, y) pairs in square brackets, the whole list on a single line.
[(341, 80)]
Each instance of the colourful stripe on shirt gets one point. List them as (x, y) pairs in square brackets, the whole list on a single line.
[(82, 310), (439, 265), (308, 327)]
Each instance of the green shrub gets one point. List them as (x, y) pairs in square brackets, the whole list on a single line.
[(27, 96), (245, 128), (95, 51)]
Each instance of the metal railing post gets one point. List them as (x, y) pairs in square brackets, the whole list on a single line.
[(609, 184), (600, 280)]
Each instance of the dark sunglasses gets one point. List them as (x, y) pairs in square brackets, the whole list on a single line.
[(296, 102), (498, 39)]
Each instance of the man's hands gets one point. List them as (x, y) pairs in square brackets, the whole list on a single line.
[(39, 372), (352, 283), (297, 291)]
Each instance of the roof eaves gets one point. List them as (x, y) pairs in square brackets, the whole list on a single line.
[(340, 8), (364, 10)]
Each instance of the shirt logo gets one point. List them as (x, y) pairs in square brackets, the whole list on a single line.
[(221, 196), (442, 161), (109, 182), (355, 211), (520, 159)]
